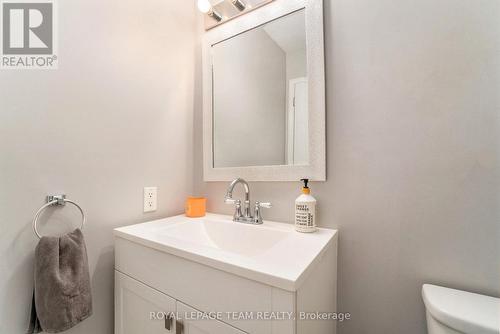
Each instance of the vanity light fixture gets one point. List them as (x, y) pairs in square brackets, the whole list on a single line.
[(205, 7), (239, 4)]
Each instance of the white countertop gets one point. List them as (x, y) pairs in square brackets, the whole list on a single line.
[(272, 253)]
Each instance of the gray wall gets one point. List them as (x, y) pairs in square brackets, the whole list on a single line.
[(245, 67), (116, 116), (413, 155)]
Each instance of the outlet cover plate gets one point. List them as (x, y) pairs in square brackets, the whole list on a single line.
[(150, 199)]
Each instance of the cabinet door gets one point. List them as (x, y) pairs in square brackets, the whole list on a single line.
[(140, 309), (189, 324)]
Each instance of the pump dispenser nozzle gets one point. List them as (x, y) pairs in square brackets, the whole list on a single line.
[(305, 188)]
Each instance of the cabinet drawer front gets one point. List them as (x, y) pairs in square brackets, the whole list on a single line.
[(140, 309), (193, 325), (205, 288)]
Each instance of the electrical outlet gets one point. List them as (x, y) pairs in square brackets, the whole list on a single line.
[(150, 199)]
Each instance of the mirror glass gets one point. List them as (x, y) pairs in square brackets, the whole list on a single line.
[(260, 96)]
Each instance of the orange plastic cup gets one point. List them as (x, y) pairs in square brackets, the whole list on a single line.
[(196, 207)]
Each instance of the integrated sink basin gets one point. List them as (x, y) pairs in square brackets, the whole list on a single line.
[(272, 253), (226, 236)]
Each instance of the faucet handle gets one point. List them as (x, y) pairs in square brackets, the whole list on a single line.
[(265, 205), (258, 216), (228, 200), (237, 213)]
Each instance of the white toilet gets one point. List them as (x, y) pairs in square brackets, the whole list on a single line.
[(452, 311)]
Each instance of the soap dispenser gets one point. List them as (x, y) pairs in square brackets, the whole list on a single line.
[(305, 210)]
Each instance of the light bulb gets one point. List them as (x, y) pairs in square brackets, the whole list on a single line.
[(239, 4), (204, 6)]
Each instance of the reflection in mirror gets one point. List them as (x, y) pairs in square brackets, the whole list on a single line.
[(260, 96)]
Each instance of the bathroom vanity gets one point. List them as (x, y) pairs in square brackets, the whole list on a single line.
[(212, 275), (216, 275)]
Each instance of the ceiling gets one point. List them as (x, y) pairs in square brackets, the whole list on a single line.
[(288, 32)]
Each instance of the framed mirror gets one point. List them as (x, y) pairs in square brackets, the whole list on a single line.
[(264, 95)]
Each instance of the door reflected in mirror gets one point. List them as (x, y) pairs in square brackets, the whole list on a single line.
[(260, 96)]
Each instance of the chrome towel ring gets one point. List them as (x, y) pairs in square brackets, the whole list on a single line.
[(55, 200)]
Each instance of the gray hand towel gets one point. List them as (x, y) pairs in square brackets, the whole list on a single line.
[(62, 295)]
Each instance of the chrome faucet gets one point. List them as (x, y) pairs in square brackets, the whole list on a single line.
[(246, 216), (229, 199)]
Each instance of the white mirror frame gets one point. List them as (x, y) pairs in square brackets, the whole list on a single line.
[(316, 170)]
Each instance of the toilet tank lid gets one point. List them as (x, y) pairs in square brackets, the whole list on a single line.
[(463, 311)]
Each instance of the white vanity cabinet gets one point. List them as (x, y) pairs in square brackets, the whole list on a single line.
[(216, 276), (142, 309)]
